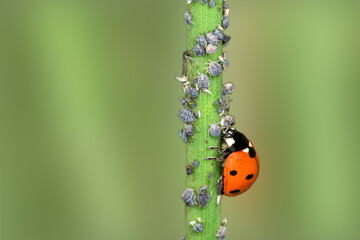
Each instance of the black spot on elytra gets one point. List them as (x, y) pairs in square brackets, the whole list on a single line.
[(233, 172), (235, 191), (250, 176), (252, 152)]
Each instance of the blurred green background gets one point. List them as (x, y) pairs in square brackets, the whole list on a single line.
[(89, 147)]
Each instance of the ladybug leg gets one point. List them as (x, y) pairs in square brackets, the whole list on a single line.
[(214, 148), (212, 158)]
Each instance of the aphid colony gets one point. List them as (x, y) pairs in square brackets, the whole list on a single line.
[(239, 159)]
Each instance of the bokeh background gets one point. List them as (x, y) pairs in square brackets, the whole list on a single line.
[(88, 119)]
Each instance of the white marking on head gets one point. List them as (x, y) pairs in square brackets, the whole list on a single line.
[(246, 150), (230, 141), (250, 145)]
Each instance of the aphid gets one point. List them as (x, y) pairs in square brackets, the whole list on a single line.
[(194, 105), (219, 110), (187, 89), (216, 103), (228, 88), (188, 18), (195, 93), (226, 12), (226, 39), (210, 175), (188, 169), (202, 40), (184, 102), (218, 34), (212, 3), (211, 49), (221, 234), (198, 50), (227, 121), (204, 1), (182, 79), (183, 135), (225, 22), (188, 196), (224, 61), (214, 69), (186, 116), (196, 163), (212, 39), (224, 221), (214, 130), (220, 186), (203, 196), (226, 106), (226, 6), (189, 129), (198, 227), (203, 81)]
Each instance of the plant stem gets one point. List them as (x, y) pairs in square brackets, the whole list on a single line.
[(206, 19)]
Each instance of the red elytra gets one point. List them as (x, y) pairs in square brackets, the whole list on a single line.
[(240, 172)]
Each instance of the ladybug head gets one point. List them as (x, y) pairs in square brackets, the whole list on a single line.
[(228, 133)]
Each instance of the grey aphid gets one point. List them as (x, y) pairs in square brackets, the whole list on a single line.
[(228, 88), (221, 235), (227, 121), (183, 135), (212, 3), (202, 40), (188, 170), (189, 129), (211, 49), (220, 186), (224, 61), (225, 22), (216, 103), (214, 130), (188, 89), (203, 81), (195, 93), (196, 163), (188, 196), (212, 39), (186, 116), (203, 197), (198, 227), (226, 106), (219, 110), (223, 97), (214, 69), (210, 175), (194, 105), (218, 34), (188, 18), (226, 39), (198, 50), (226, 6), (204, 1), (184, 102)]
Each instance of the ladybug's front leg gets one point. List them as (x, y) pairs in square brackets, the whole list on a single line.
[(224, 154)]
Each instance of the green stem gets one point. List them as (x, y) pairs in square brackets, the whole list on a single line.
[(206, 19)]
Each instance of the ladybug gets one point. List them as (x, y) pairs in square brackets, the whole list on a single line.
[(241, 166)]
